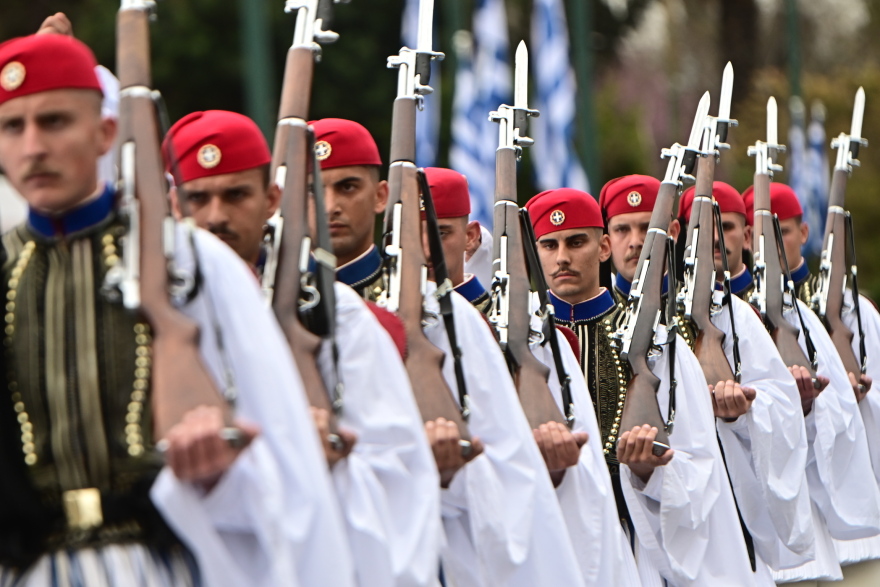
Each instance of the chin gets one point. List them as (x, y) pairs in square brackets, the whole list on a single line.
[(50, 201)]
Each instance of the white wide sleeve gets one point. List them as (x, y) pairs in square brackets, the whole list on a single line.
[(870, 406), (839, 448), (503, 510), (585, 494), (685, 517), (388, 487), (273, 517), (766, 449)]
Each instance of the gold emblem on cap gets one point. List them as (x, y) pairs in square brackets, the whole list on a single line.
[(209, 156), (634, 198), (12, 76), (323, 150), (557, 217)]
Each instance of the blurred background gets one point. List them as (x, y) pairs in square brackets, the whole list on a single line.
[(615, 80)]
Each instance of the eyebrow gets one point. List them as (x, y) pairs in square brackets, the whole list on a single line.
[(352, 178)]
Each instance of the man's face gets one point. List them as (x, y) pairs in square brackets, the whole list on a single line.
[(353, 196), (627, 235), (455, 235), (737, 236), (234, 206), (50, 143), (571, 258), (794, 235)]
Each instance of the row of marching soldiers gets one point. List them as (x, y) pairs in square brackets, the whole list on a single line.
[(769, 477)]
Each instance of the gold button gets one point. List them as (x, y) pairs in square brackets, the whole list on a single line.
[(141, 339), (27, 437), (142, 362), (22, 418), (132, 429), (9, 330), (10, 318), (138, 396), (30, 459), (111, 260), (135, 407), (135, 450), (140, 384), (18, 407), (139, 328), (10, 295), (142, 351), (13, 283), (133, 439), (132, 417), (28, 448), (27, 427), (141, 373)]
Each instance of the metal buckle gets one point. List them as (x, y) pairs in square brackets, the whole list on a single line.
[(82, 507)]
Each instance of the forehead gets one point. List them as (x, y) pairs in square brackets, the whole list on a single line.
[(563, 235), (630, 219), (353, 171), (252, 178), (68, 100), (735, 218)]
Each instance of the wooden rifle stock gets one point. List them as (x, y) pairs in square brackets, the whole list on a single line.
[(180, 381), (529, 374), (424, 361), (835, 249), (292, 150), (784, 334), (709, 343), (641, 405)]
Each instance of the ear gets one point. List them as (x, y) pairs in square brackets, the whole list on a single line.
[(474, 235), (747, 238), (108, 130), (273, 194), (674, 229), (805, 233), (175, 204), (381, 197), (604, 247)]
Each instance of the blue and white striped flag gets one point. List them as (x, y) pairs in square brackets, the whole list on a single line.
[(554, 157), (809, 176), (482, 84), (427, 120)]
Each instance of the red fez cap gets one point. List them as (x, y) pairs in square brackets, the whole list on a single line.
[(783, 202), (562, 209), (727, 197), (39, 63), (344, 143), (449, 189), (203, 144), (631, 193)]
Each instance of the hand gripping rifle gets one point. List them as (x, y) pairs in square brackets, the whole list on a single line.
[(510, 313), (698, 287), (770, 279), (644, 307), (828, 299), (405, 264), (299, 296), (180, 381)]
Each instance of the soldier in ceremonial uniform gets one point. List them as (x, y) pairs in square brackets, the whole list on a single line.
[(840, 429), (485, 544), (683, 530), (585, 493), (85, 497), (627, 203), (452, 203), (387, 487)]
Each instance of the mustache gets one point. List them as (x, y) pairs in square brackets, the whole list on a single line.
[(39, 169), (221, 230), (634, 255), (565, 270)]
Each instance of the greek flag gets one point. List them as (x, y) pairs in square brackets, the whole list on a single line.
[(808, 174), (427, 120), (554, 158), (482, 84)]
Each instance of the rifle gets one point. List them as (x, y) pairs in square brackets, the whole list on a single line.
[(298, 294), (828, 299), (405, 268), (695, 297), (546, 312), (770, 281), (644, 307), (180, 381), (510, 313)]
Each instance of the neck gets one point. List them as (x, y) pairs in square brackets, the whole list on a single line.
[(59, 212), (735, 270), (579, 297), (359, 252)]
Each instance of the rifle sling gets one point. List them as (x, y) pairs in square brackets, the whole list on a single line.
[(536, 276), (789, 284), (728, 296), (444, 288), (851, 245)]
